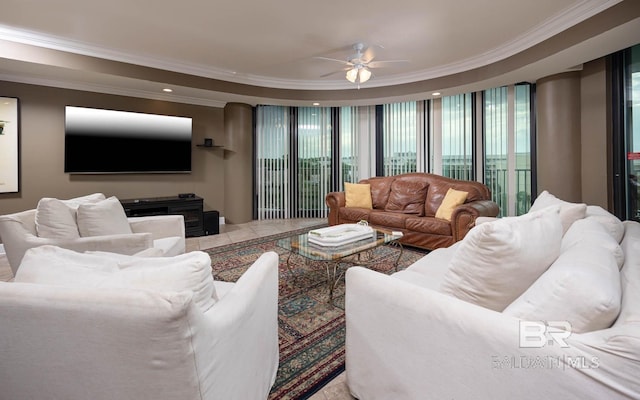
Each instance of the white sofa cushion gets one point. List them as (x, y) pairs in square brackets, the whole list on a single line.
[(53, 265), (612, 224), (590, 232), (497, 261), (582, 287), (106, 217), (569, 212)]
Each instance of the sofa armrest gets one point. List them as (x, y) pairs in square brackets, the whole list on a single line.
[(407, 342), (334, 201), (238, 355), (127, 243), (124, 244), (464, 216), (160, 226)]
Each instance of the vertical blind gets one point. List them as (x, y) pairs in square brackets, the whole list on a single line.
[(522, 151), (496, 145), (349, 145), (298, 150), (457, 134), (400, 138), (314, 160), (272, 162), (507, 136)]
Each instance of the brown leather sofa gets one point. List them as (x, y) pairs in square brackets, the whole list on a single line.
[(408, 203)]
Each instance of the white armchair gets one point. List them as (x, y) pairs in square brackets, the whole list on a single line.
[(77, 342), (18, 233)]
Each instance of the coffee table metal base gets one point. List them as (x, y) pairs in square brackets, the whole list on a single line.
[(335, 272)]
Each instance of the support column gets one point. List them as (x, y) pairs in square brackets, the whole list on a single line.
[(238, 165), (558, 136)]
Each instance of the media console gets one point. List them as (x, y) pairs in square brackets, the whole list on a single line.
[(189, 207)]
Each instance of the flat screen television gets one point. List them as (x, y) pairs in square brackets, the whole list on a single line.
[(99, 141)]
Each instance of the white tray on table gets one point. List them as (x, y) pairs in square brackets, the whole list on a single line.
[(339, 235)]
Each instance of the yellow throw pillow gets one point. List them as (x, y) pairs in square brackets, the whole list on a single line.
[(451, 200), (358, 195)]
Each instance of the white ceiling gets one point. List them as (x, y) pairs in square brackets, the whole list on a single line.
[(275, 44)]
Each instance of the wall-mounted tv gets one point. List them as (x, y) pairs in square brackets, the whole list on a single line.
[(101, 141)]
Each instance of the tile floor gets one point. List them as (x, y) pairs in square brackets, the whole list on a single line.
[(232, 233)]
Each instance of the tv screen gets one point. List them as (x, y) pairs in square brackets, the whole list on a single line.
[(112, 142)]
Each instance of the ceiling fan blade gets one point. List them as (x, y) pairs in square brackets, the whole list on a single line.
[(368, 55), (332, 73), (379, 64), (334, 59)]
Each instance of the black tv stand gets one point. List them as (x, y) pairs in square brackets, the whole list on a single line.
[(189, 207)]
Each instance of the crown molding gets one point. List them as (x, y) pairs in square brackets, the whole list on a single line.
[(581, 11), (106, 89)]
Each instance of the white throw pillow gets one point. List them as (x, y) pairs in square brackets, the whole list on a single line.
[(590, 232), (51, 265), (582, 287), (56, 220), (611, 223), (106, 217), (497, 261), (569, 212)]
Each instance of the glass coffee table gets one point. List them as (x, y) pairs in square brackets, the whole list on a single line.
[(356, 253)]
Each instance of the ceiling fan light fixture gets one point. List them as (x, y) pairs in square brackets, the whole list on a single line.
[(358, 74), (365, 74), (352, 75)]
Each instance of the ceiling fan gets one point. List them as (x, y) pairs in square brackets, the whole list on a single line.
[(359, 65)]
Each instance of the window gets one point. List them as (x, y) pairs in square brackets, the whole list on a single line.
[(625, 73), (305, 152), (507, 147), (314, 160), (457, 137), (401, 130)]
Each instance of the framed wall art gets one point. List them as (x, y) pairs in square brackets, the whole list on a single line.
[(9, 145)]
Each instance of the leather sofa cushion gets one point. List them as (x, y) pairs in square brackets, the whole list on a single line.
[(430, 225), (407, 196), (354, 214), (391, 220), (380, 189)]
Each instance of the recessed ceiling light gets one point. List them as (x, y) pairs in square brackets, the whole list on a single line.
[(435, 94), (316, 104), (167, 90)]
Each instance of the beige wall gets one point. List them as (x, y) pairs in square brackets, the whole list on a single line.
[(558, 123), (595, 136), (42, 150)]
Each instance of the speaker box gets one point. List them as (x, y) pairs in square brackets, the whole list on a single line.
[(211, 222)]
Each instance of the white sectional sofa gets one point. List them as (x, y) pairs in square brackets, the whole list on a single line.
[(524, 307)]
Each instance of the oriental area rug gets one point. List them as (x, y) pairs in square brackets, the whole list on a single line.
[(311, 331)]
